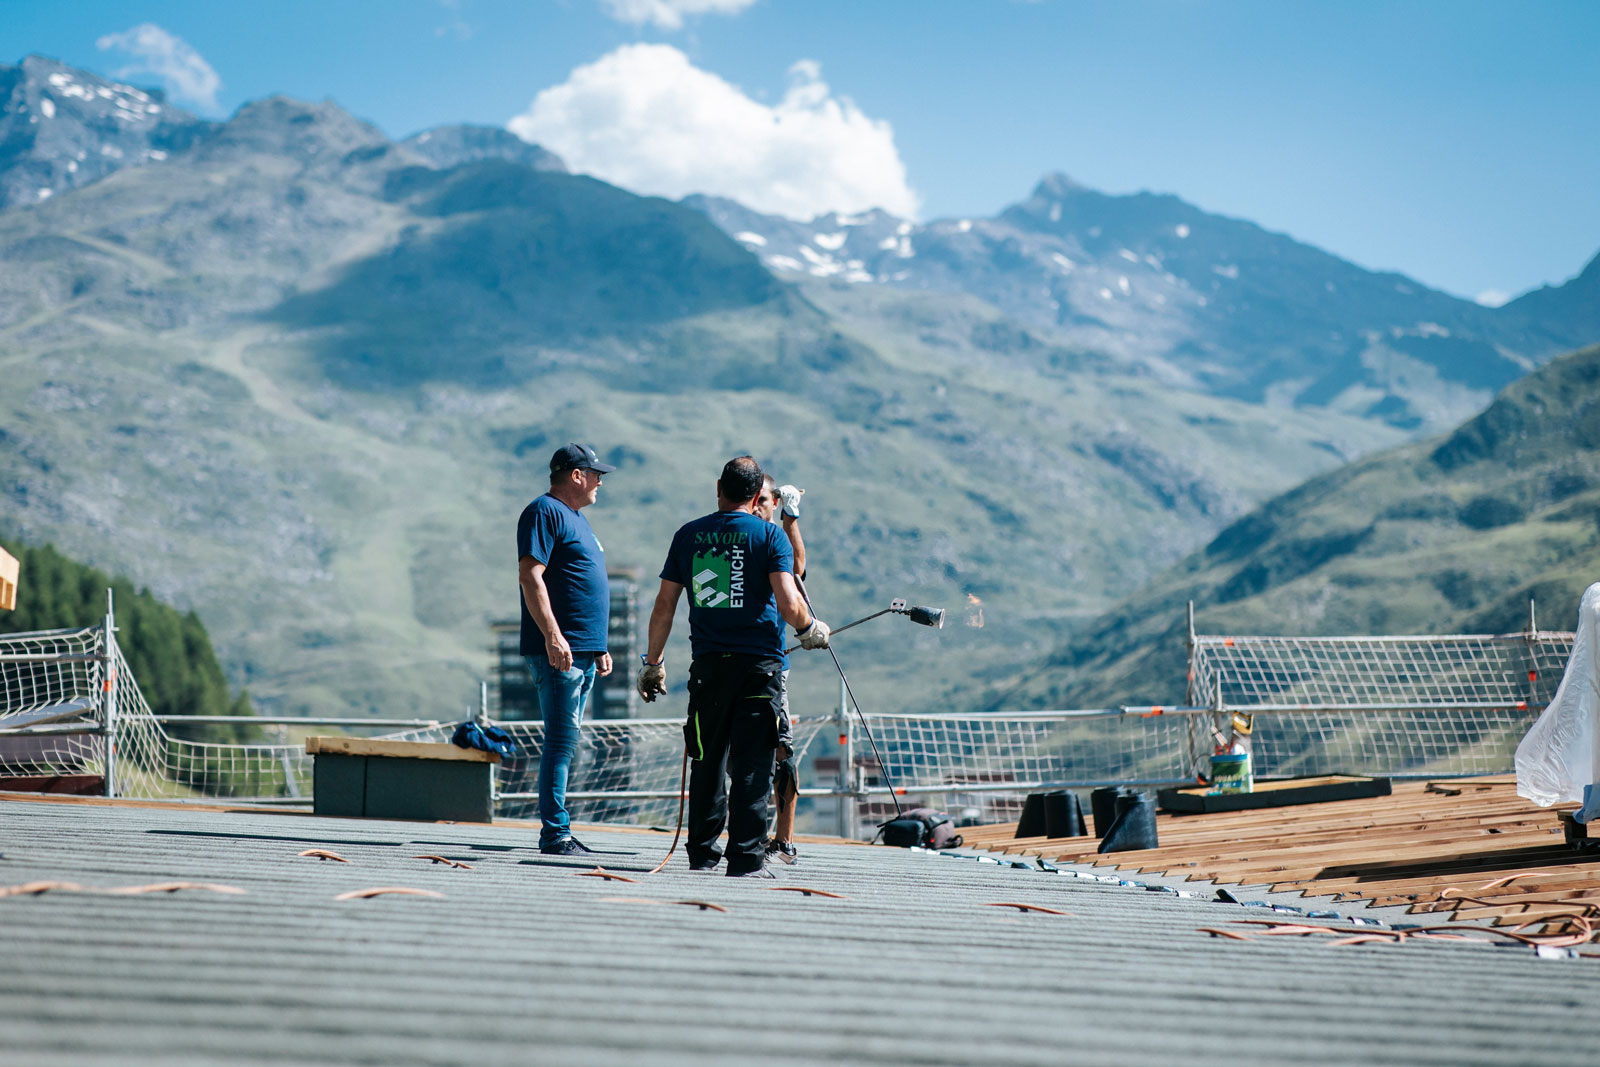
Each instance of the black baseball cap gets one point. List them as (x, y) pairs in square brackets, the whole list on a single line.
[(575, 457)]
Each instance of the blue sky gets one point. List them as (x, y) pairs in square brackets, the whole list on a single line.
[(1458, 142)]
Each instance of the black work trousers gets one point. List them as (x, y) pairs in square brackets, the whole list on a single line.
[(732, 733)]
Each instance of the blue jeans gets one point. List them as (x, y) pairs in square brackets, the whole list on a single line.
[(563, 695)]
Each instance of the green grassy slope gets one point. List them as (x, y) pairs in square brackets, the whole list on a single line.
[(500, 263), (1452, 535)]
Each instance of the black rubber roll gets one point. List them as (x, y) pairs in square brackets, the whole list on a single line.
[(1134, 826), (1063, 815), (1031, 822), (1103, 804)]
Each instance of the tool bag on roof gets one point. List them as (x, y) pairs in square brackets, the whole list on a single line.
[(927, 827)]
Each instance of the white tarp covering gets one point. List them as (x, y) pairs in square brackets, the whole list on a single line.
[(1557, 761)]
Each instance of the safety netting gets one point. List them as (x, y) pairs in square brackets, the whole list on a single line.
[(50, 684), (985, 765), (42, 670), (1443, 705), (626, 770), (1435, 705)]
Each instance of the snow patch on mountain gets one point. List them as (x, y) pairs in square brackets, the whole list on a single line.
[(61, 128)]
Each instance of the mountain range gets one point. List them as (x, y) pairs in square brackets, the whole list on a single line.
[(1202, 300), (301, 378)]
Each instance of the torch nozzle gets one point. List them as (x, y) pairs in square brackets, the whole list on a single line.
[(925, 616)]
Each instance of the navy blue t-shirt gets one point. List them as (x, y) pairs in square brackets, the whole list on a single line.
[(725, 560), (575, 575)]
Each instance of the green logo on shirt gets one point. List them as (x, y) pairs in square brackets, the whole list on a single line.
[(717, 579)]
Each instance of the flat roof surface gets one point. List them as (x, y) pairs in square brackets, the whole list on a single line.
[(521, 959)]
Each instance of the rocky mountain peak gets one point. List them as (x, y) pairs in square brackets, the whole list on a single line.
[(1575, 305), (316, 134), (450, 146), (1059, 203), (53, 76), (61, 128), (1057, 186)]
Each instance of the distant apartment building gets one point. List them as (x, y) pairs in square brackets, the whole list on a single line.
[(512, 697)]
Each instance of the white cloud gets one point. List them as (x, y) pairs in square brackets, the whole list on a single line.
[(645, 118), (1492, 298), (458, 27), (669, 14), (184, 73)]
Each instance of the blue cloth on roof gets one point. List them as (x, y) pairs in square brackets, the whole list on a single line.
[(488, 738)]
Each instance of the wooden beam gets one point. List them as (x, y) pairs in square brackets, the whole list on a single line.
[(10, 574), (366, 746)]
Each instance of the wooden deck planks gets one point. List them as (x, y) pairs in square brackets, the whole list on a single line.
[(1428, 844)]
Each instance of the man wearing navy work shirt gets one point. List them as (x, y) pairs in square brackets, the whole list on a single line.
[(739, 571), (566, 604)]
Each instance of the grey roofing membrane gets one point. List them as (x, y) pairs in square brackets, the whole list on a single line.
[(524, 962)]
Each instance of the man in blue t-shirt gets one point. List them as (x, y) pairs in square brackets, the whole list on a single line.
[(566, 604), (739, 572)]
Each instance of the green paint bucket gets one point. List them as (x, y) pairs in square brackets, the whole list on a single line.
[(1230, 773)]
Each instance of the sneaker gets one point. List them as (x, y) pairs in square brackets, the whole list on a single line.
[(582, 848), (759, 872), (565, 847), (782, 851), (704, 865)]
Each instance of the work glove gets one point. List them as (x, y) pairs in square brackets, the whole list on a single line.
[(814, 636), (653, 682), (791, 500)]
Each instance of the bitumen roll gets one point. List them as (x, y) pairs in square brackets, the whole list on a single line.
[(1063, 815), (1134, 826)]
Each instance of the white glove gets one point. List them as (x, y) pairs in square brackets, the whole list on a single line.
[(814, 636), (653, 682), (791, 500)]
